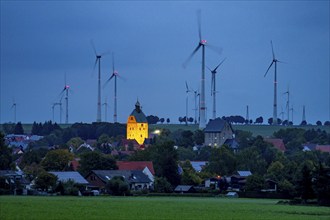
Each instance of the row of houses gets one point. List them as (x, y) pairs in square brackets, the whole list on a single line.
[(139, 175)]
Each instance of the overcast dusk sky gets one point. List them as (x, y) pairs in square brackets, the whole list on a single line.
[(41, 41)]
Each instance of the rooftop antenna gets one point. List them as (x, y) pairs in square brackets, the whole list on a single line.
[(275, 84), (201, 44), (213, 87)]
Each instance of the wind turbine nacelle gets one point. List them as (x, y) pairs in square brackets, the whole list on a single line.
[(203, 42)]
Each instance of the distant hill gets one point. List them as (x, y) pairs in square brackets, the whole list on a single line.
[(263, 130)]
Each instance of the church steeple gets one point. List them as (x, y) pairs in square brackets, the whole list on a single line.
[(138, 106)]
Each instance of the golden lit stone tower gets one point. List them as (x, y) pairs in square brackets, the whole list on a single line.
[(137, 125)]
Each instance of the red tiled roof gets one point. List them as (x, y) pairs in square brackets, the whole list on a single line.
[(135, 165), (75, 164), (323, 148), (277, 143)]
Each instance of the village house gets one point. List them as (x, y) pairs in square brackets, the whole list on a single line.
[(146, 167), (136, 179), (217, 132)]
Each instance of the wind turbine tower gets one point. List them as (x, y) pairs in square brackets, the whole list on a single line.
[(105, 109), (66, 90), (201, 44), (275, 84), (247, 115), (98, 61), (213, 88), (114, 75), (288, 104), (304, 114), (187, 92)]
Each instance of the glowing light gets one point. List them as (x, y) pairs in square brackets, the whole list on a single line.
[(157, 131), (67, 87), (203, 41)]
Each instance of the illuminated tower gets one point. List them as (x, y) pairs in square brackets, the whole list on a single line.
[(137, 125)]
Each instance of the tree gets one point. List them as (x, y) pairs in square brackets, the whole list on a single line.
[(5, 154), (162, 185), (152, 119), (8, 128), (222, 161), (259, 120), (45, 181), (181, 120), (18, 129), (56, 160), (305, 185), (75, 142), (164, 158), (117, 186), (162, 120), (327, 123), (96, 161), (322, 186), (167, 120), (198, 137), (270, 121), (303, 123), (319, 123), (254, 183), (189, 175)]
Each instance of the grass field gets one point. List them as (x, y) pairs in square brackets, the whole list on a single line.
[(181, 208)]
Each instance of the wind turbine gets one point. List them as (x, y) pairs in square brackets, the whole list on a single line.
[(14, 107), (275, 84), (105, 109), (304, 114), (66, 90), (187, 91), (288, 104), (114, 74), (213, 87), (196, 93), (98, 61), (292, 110), (201, 44)]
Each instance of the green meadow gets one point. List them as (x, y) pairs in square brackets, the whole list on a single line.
[(56, 207)]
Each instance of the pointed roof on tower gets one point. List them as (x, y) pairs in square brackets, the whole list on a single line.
[(138, 114)]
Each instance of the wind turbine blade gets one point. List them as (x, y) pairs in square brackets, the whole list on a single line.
[(191, 55), (219, 64), (113, 63), (216, 49), (106, 83), (105, 53), (187, 89), (95, 64), (208, 68), (271, 42), (199, 23), (93, 47), (268, 68), (121, 77)]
